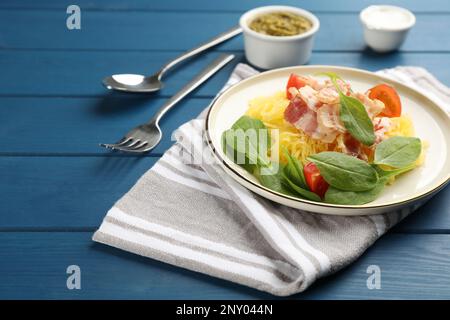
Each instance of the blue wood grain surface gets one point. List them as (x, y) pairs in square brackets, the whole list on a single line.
[(56, 183), (106, 30), (78, 125), (34, 266), (76, 191), (230, 5), (72, 73)]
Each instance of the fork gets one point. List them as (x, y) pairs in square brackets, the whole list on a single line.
[(145, 137)]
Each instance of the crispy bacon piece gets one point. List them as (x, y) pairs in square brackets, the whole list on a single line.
[(296, 108), (321, 123), (300, 115), (344, 86), (314, 109), (328, 95), (308, 123), (309, 81), (373, 106), (309, 95), (328, 117), (351, 146)]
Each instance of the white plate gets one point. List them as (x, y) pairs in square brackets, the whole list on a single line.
[(432, 124)]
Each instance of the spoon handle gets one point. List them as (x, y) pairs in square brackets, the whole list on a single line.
[(204, 75), (211, 43)]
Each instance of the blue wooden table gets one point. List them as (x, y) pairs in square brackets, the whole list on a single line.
[(56, 184)]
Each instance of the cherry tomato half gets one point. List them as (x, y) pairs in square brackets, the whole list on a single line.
[(296, 82), (390, 98), (314, 180)]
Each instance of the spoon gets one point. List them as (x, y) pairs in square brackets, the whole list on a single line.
[(140, 83), (145, 137)]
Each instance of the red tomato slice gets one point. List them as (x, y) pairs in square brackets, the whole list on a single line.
[(314, 180), (296, 82), (390, 98)]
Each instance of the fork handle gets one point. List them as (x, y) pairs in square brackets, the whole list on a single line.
[(204, 75), (211, 43)]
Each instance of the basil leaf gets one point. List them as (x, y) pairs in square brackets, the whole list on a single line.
[(392, 173), (303, 193), (336, 196), (294, 170), (279, 182), (245, 123), (398, 152), (230, 149), (345, 172), (242, 143), (273, 181), (354, 116)]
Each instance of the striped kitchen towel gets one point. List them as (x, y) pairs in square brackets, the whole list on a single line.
[(194, 216)]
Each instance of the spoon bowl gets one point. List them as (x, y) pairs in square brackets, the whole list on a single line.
[(133, 83)]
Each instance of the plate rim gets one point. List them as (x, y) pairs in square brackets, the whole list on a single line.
[(441, 184)]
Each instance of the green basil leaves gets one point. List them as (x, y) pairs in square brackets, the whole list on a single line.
[(299, 191), (398, 152), (273, 181), (345, 172), (294, 170), (353, 183), (336, 196), (244, 144), (354, 115), (247, 142)]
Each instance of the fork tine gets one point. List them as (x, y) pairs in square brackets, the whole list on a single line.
[(139, 145), (132, 144), (136, 145), (141, 148), (124, 141), (138, 140), (111, 146)]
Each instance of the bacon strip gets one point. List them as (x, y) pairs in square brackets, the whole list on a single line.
[(351, 146), (309, 95), (296, 109), (328, 116), (315, 110)]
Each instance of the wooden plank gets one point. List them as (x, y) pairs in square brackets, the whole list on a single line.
[(50, 123), (78, 73), (146, 30), (431, 217), (78, 125), (60, 192), (412, 267), (34, 266), (76, 192), (230, 5), (67, 73)]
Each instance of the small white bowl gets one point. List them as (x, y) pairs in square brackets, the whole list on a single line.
[(386, 27), (267, 52)]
